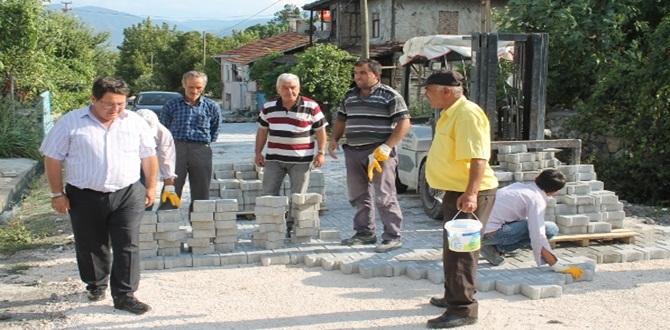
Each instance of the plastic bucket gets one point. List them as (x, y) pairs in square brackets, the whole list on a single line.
[(463, 235)]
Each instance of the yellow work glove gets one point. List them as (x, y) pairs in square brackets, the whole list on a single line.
[(373, 165), (169, 194), (382, 153), (573, 271)]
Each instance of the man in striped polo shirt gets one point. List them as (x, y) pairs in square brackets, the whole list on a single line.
[(374, 118), (289, 125)]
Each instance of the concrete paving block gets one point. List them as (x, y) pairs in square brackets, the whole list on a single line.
[(222, 166), (382, 269), (204, 233), (199, 250), (147, 228), (206, 206), (578, 200), (616, 224), (415, 271), (147, 253), (178, 261), (246, 175), (298, 215), (312, 260), (525, 176), (244, 167), (577, 188), (297, 257), (348, 267), (551, 202), (367, 269), (234, 258), (149, 217), (253, 184), (598, 227), (265, 210), (310, 198), (234, 194), (273, 202), (224, 246), (398, 268), (328, 234), (305, 223), (630, 255), (504, 175), (305, 207), (611, 257), (163, 243), (225, 239), (199, 241), (569, 230), (572, 220), (224, 225), (167, 226), (330, 263), (154, 263), (229, 182), (614, 215), (170, 235), (435, 275), (303, 232), (147, 237), (595, 217), (569, 169), (168, 215), (521, 157), (563, 209), (656, 252), (169, 251), (226, 205), (604, 197), (591, 208), (272, 227), (224, 175), (508, 287), (275, 259), (202, 225), (618, 206), (541, 291), (208, 260), (596, 185)]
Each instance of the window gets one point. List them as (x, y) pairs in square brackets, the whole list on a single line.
[(375, 25)]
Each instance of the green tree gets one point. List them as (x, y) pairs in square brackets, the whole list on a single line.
[(265, 72), (142, 44), (283, 16), (325, 74), (267, 30)]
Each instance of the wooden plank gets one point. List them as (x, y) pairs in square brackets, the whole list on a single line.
[(622, 235)]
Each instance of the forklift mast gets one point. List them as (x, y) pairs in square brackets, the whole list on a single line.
[(521, 115)]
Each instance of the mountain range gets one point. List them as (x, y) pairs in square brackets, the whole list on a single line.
[(103, 19)]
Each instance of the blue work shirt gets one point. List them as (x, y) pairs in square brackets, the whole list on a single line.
[(192, 123)]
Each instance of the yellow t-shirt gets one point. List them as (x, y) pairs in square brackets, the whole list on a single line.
[(461, 134)]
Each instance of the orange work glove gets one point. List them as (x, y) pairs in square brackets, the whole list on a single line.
[(373, 165), (382, 153), (573, 271), (169, 194)]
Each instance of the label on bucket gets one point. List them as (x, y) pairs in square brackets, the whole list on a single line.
[(463, 235)]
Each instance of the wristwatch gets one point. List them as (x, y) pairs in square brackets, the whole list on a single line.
[(321, 152), (56, 194)]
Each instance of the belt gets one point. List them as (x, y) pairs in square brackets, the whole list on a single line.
[(487, 235), (192, 142)]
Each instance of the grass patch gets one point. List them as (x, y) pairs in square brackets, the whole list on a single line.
[(19, 269), (34, 222)]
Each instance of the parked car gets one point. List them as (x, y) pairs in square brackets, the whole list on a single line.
[(153, 101)]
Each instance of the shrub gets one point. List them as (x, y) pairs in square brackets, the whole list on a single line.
[(19, 133)]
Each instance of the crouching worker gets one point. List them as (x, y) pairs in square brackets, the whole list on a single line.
[(165, 151), (517, 220)]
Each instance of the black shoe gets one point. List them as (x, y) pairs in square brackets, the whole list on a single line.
[(132, 305), (491, 254), (439, 302), (360, 239), (96, 295), (450, 321), (388, 245)]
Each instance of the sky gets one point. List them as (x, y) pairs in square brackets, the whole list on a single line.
[(191, 9)]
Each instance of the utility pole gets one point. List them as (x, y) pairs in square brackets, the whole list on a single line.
[(204, 49), (66, 4), (485, 16), (365, 30)]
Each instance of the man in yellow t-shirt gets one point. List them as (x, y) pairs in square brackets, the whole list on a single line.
[(458, 164)]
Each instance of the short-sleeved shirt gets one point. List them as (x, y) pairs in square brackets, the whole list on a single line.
[(461, 134), (96, 157), (371, 120), (522, 202), (166, 153), (192, 123), (291, 131)]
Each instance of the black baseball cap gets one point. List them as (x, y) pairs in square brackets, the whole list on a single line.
[(445, 78)]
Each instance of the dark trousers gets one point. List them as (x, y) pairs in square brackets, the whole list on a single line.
[(380, 193), (460, 268), (194, 159), (103, 222)]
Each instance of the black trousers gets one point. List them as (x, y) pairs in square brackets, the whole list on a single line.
[(194, 159), (460, 268), (106, 222)]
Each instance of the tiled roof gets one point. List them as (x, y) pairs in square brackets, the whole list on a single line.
[(376, 51), (280, 43)]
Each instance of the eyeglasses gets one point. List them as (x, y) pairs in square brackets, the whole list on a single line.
[(110, 106)]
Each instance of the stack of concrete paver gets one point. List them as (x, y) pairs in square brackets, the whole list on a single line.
[(581, 207), (168, 233), (202, 222), (226, 227), (271, 219), (148, 245), (250, 186), (305, 213)]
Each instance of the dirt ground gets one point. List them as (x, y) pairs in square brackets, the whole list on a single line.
[(40, 289)]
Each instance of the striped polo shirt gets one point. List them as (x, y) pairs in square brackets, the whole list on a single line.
[(371, 120), (291, 131)]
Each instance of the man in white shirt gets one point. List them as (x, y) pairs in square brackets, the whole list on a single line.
[(517, 220)]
